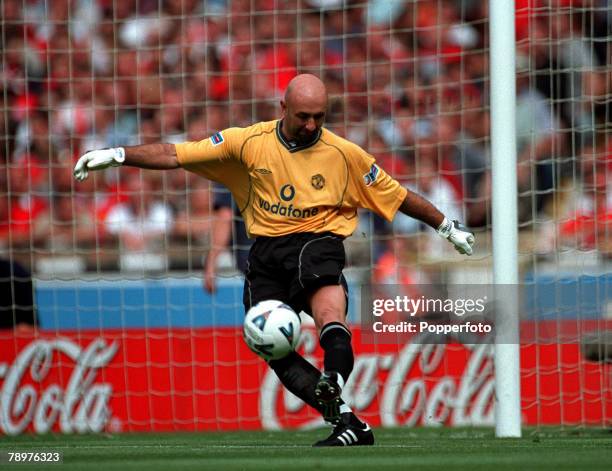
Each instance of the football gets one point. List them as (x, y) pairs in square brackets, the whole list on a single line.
[(271, 329)]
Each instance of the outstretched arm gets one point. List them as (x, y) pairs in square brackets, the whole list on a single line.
[(416, 206), (151, 156)]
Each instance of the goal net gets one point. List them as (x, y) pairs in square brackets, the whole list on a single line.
[(106, 322)]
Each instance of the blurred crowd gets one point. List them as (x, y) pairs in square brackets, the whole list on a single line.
[(408, 81)]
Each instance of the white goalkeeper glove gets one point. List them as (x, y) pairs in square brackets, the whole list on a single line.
[(98, 160), (459, 235)]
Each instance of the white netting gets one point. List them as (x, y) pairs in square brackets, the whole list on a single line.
[(408, 81)]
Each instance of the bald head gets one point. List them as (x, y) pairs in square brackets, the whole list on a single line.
[(303, 108), (306, 87)]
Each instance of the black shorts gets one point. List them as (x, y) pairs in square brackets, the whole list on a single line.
[(290, 268)]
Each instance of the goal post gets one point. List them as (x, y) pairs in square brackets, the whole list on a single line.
[(504, 217)]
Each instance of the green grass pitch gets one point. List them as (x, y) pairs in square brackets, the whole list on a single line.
[(407, 448)]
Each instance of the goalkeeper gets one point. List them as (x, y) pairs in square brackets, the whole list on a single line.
[(298, 187)]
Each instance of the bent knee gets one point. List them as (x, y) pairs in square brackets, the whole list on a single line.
[(328, 304)]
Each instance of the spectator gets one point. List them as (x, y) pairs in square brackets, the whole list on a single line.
[(582, 83), (398, 263), (228, 231), (537, 131), (193, 224), (26, 211), (586, 220), (16, 297), (436, 189), (141, 223), (71, 226), (397, 272), (591, 224)]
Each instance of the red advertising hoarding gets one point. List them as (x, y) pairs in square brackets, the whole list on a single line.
[(207, 379)]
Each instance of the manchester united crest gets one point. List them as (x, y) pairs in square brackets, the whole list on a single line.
[(317, 181)]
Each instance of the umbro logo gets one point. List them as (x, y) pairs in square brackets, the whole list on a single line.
[(263, 171)]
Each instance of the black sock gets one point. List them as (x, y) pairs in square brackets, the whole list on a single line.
[(335, 340), (300, 377)]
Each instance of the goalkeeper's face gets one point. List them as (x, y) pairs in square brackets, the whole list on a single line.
[(302, 125)]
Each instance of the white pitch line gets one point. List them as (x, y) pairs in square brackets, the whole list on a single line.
[(170, 447), (298, 446)]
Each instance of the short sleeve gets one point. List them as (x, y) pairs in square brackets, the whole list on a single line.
[(223, 145), (371, 187)]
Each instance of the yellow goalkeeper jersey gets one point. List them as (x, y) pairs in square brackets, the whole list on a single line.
[(283, 188)]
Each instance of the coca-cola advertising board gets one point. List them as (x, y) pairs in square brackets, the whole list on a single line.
[(207, 379)]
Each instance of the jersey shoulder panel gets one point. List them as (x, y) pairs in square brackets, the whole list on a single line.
[(257, 142), (357, 158), (262, 127)]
